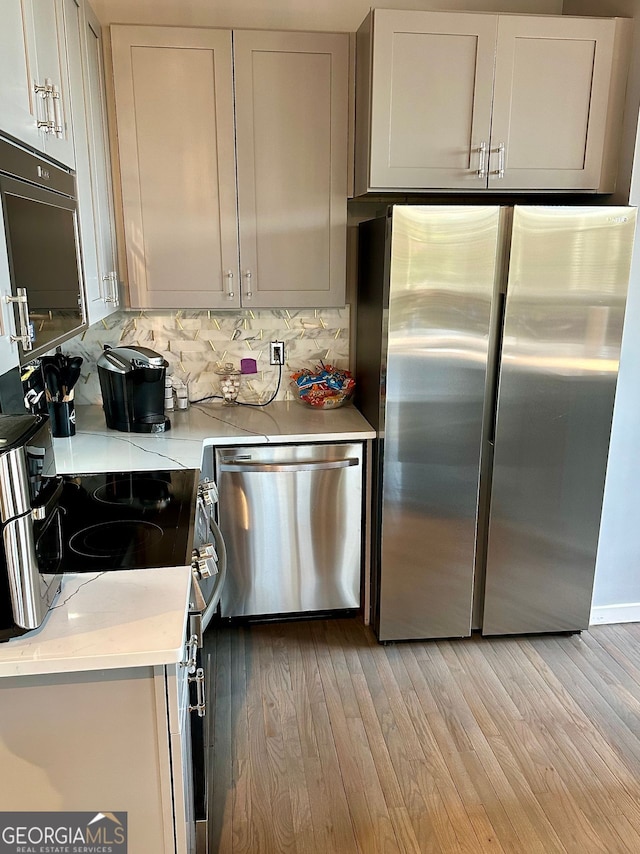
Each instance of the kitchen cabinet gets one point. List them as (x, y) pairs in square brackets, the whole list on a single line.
[(470, 101), (233, 162), (34, 95), (93, 167), (79, 755)]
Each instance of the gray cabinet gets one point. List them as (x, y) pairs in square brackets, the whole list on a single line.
[(197, 108), (93, 167), (34, 91), (113, 739), (469, 101)]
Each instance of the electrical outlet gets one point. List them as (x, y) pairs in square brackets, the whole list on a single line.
[(276, 353)]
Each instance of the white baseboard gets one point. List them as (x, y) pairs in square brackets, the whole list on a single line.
[(605, 614)]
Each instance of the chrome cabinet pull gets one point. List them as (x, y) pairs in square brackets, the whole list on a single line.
[(48, 124), (248, 292), (111, 293), (500, 150), (191, 648), (56, 100), (26, 335), (483, 150), (230, 291), (201, 703)]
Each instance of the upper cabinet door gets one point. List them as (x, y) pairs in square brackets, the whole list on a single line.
[(51, 52), (430, 76), (174, 109), (20, 106), (93, 168), (291, 95), (553, 102), (34, 87)]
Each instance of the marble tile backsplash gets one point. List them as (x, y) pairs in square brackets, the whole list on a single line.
[(195, 343)]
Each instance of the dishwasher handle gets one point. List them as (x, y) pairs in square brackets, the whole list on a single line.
[(311, 465)]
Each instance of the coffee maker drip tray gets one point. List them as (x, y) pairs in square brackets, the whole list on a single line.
[(128, 520)]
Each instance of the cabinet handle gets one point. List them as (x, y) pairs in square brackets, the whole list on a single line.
[(500, 150), (201, 702), (191, 649), (45, 92), (111, 293), (248, 292), (482, 160), (230, 292), (56, 100), (26, 327)]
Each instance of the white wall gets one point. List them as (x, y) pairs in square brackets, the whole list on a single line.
[(341, 15), (617, 588)]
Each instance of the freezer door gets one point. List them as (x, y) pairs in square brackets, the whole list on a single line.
[(565, 305), (443, 274)]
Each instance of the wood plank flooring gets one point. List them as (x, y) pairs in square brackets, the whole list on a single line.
[(321, 740)]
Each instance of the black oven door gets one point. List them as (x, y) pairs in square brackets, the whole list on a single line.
[(44, 264)]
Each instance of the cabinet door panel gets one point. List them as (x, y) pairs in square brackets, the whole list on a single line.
[(50, 36), (550, 102), (19, 104), (174, 106), (291, 127), (93, 170), (431, 84)]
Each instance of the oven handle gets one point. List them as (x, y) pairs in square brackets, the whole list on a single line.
[(311, 465)]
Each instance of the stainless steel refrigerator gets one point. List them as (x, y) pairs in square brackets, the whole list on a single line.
[(487, 352)]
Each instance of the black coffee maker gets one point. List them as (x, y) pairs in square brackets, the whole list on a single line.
[(132, 385)]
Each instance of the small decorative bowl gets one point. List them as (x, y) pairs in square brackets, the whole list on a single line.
[(315, 399)]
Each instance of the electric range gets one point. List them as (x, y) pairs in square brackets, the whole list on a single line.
[(128, 520)]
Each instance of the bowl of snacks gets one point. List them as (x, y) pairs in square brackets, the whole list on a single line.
[(323, 387)]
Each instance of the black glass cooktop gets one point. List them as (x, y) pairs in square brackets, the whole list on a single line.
[(128, 520)]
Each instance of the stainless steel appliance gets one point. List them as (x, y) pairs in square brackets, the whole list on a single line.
[(31, 545), (38, 201), (132, 386), (487, 357), (290, 517)]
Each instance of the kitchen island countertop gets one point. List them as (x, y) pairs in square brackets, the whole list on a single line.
[(95, 447), (106, 620)]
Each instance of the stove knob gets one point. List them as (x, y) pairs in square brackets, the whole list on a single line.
[(208, 491), (204, 561)]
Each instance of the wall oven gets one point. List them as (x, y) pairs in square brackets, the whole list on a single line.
[(31, 543), (38, 201)]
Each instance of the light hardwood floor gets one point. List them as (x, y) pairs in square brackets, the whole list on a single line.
[(322, 740)]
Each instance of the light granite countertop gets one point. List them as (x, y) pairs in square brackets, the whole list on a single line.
[(96, 448), (136, 618), (106, 620)]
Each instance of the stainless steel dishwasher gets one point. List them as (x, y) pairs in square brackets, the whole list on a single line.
[(291, 519)]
